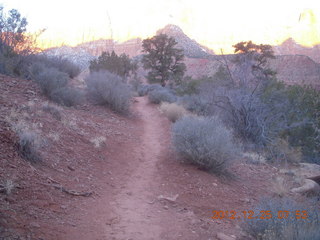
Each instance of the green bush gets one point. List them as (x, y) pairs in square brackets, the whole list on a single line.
[(205, 142), (108, 89), (120, 65), (299, 107)]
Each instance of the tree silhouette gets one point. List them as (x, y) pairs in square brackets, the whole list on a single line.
[(121, 65), (164, 60)]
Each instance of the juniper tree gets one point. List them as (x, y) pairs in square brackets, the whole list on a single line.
[(163, 59)]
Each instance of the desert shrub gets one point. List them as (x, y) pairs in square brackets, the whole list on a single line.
[(299, 107), (161, 95), (280, 151), (188, 86), (135, 82), (49, 79), (28, 146), (35, 69), (108, 89), (66, 66), (172, 111), (196, 104), (145, 89), (60, 63), (205, 142), (304, 121), (67, 96), (255, 121), (98, 141), (8, 64), (7, 186), (286, 228), (54, 111), (142, 90)]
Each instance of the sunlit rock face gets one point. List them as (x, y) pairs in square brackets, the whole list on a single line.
[(190, 47)]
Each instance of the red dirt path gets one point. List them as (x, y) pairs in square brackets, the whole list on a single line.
[(140, 189)]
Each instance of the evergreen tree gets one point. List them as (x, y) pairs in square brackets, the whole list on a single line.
[(120, 65), (164, 60)]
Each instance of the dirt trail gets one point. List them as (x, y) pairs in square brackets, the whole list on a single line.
[(140, 188), (135, 206), (134, 203)]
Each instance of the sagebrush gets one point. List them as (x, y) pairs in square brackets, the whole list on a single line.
[(172, 111), (49, 79), (161, 95), (205, 142), (62, 64), (67, 96), (54, 111), (144, 89), (108, 89), (28, 146)]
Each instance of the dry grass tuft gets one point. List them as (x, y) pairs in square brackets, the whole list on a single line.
[(279, 186), (98, 141), (172, 111), (7, 186)]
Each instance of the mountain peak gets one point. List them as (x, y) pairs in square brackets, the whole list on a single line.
[(170, 29), (289, 41), (190, 47)]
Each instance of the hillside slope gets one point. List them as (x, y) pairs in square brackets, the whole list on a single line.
[(79, 149)]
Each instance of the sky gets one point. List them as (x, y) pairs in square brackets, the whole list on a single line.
[(217, 24)]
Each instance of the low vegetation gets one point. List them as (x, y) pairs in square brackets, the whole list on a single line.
[(121, 65), (108, 89), (161, 95), (28, 146), (144, 89), (205, 142), (172, 111), (54, 111), (59, 63), (14, 44), (67, 96), (260, 110), (7, 186), (163, 60), (49, 79), (302, 222), (53, 81)]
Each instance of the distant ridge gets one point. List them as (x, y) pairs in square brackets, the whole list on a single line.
[(295, 64), (133, 47), (291, 47)]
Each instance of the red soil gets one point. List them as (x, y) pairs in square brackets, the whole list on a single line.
[(140, 189)]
